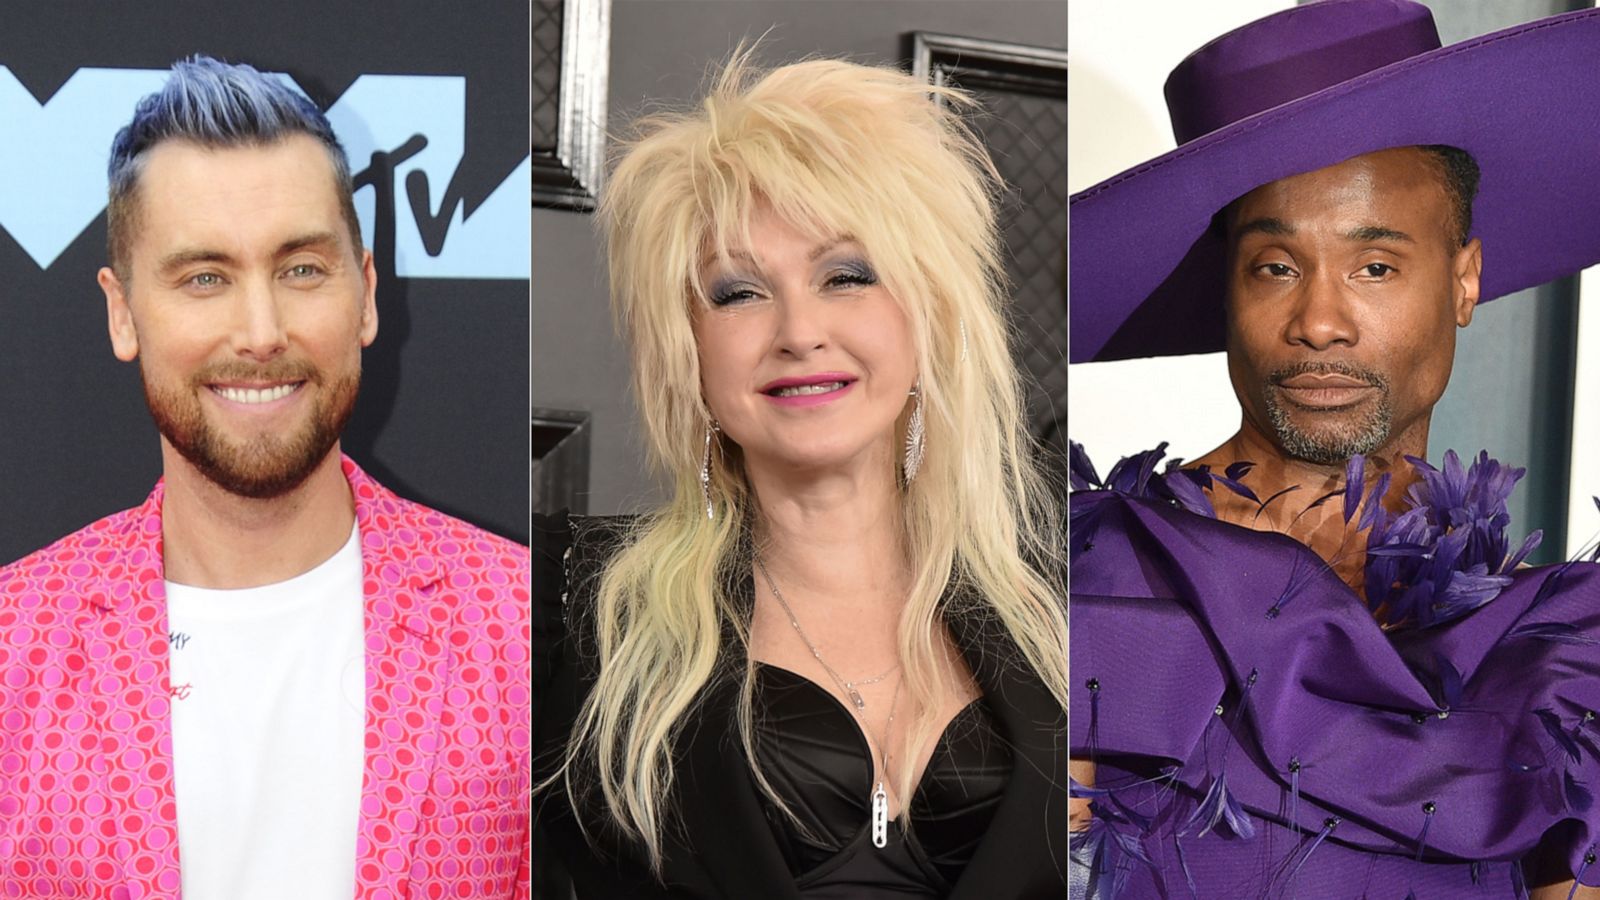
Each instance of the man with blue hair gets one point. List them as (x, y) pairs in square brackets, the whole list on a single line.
[(275, 677)]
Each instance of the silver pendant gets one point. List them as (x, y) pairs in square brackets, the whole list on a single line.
[(855, 697), (880, 817)]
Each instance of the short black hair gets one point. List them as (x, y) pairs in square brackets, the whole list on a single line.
[(1456, 167), (1461, 175)]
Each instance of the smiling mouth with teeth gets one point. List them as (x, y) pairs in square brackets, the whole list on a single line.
[(257, 395), (803, 390)]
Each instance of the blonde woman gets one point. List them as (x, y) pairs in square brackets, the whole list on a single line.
[(834, 664)]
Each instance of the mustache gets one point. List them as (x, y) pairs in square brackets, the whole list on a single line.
[(239, 370), (1332, 367)]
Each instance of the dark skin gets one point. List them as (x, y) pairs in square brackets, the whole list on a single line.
[(1341, 280), (1345, 288), (1355, 265), (1337, 279)]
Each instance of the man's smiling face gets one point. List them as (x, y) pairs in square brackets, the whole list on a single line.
[(1345, 287), (247, 306)]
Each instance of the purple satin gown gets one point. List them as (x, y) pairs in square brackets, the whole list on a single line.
[(1226, 678)]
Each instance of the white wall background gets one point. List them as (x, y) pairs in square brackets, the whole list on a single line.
[(1583, 520), (1120, 56)]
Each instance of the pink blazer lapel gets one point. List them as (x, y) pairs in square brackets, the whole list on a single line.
[(123, 629), (407, 671)]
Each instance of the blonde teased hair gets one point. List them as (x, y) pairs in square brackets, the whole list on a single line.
[(834, 148)]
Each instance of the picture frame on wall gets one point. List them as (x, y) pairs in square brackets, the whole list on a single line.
[(571, 42), (1022, 91)]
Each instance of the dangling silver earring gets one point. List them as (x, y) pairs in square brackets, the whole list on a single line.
[(963, 323), (915, 436), (705, 470)]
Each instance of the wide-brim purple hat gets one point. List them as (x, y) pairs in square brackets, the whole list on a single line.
[(1313, 86)]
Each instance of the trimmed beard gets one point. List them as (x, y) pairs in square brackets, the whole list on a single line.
[(1337, 442), (269, 465)]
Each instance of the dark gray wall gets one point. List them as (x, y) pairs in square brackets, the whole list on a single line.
[(662, 51), (442, 416)]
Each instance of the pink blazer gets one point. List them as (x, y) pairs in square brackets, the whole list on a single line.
[(86, 799)]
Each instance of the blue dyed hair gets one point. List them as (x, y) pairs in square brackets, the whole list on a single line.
[(216, 105)]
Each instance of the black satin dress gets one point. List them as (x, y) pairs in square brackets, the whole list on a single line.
[(723, 841), (813, 753)]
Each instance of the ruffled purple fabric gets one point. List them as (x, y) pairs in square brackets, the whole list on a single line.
[(1256, 733)]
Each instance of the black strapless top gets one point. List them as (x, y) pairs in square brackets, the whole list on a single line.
[(812, 751)]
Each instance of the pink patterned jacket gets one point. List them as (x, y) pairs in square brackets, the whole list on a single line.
[(86, 798)]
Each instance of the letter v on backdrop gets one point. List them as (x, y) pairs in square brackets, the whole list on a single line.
[(53, 162)]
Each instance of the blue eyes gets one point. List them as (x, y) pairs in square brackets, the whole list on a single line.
[(305, 275), (858, 275), (846, 276), (727, 295)]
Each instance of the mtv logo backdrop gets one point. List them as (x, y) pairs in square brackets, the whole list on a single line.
[(431, 104)]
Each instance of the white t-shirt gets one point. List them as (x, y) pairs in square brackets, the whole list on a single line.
[(268, 718)]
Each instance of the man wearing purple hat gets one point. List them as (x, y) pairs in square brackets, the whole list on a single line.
[(1311, 664)]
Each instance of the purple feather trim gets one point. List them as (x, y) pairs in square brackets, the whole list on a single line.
[(1105, 851), (1080, 790), (1529, 544), (1323, 499), (1220, 807), (1238, 488), (1131, 475), (1406, 551), (1188, 493), (1447, 553), (1327, 829), (1552, 726), (1577, 793), (1353, 484), (1374, 504), (1268, 502), (1135, 476), (1450, 686), (1443, 556), (1422, 839), (1558, 632), (1183, 863), (1294, 795), (1584, 740), (1577, 877), (1136, 819), (1081, 474)]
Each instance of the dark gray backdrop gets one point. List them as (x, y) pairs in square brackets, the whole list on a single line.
[(662, 51), (442, 416)]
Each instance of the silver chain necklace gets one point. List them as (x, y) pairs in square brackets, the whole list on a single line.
[(880, 796), (849, 687)]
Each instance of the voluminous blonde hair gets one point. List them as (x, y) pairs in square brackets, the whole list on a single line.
[(835, 149)]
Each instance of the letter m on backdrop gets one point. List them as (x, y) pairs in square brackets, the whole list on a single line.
[(53, 166)]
